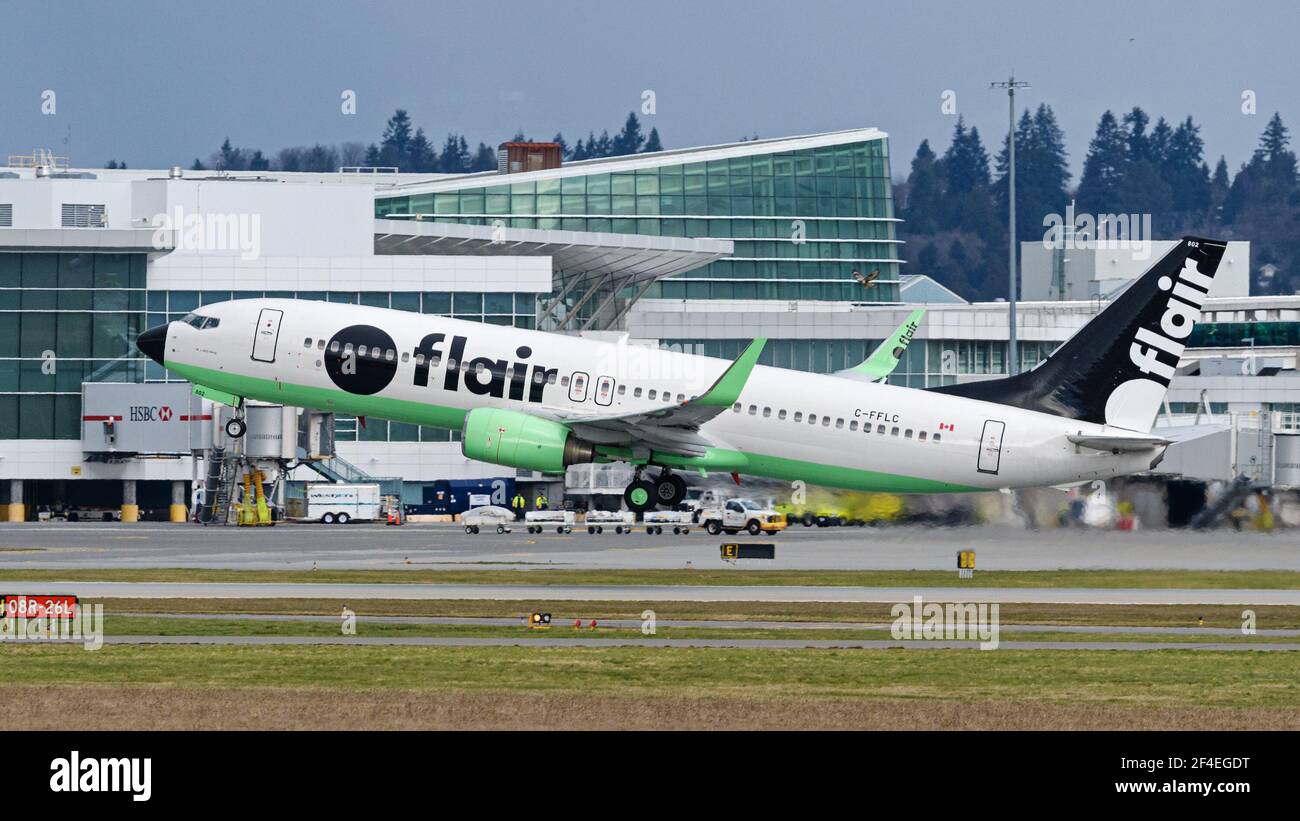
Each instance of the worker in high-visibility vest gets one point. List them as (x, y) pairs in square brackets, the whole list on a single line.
[(518, 504), (541, 503)]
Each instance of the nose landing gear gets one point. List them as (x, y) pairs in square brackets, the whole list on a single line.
[(236, 427)]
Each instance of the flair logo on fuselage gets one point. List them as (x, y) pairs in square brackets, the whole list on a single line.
[(1156, 353), (482, 375)]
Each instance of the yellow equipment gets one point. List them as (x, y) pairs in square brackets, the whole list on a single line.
[(254, 510)]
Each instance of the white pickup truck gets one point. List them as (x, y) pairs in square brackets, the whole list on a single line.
[(735, 515)]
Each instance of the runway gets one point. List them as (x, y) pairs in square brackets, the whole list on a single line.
[(638, 593), (359, 546)]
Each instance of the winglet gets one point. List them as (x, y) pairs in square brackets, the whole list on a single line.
[(726, 390), (886, 356)]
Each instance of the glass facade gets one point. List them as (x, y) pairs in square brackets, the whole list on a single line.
[(1235, 334), (925, 363), (802, 221), (65, 318), (72, 318)]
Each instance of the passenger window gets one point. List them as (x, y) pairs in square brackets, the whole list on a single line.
[(334, 346), (826, 421), (839, 423), (907, 434), (853, 425), (652, 394), (550, 379), (812, 418), (419, 359), (920, 437), (880, 429), (798, 416), (406, 357), (390, 354), (936, 438), (893, 431), (537, 377), (681, 397), (622, 389), (362, 350), (347, 349), (306, 343), (320, 344), (451, 364), (767, 412), (780, 414), (753, 409), (564, 382)]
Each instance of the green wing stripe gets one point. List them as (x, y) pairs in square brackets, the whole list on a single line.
[(882, 361), (726, 390)]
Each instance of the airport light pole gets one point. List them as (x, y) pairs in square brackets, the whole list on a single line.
[(1011, 84)]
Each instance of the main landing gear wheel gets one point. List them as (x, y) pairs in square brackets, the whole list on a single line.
[(640, 496), (236, 428), (670, 489)]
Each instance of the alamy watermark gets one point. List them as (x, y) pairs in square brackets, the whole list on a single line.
[(1107, 232), (208, 231), (932, 621), (86, 626)]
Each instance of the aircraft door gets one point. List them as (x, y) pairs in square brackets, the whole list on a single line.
[(604, 390), (267, 334), (578, 387), (990, 457)]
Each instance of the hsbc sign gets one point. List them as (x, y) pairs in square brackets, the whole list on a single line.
[(146, 418), (150, 413)]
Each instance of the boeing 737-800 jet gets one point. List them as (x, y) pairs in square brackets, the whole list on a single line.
[(543, 401)]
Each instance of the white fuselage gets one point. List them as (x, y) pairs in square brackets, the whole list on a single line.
[(787, 424)]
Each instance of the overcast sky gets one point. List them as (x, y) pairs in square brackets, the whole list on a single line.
[(160, 83)]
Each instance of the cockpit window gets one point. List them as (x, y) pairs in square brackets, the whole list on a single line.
[(201, 322)]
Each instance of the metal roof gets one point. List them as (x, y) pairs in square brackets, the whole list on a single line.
[(631, 162), (108, 240), (631, 258)]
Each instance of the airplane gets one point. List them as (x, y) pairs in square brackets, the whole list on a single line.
[(542, 401)]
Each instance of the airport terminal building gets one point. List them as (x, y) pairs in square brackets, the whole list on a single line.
[(696, 249)]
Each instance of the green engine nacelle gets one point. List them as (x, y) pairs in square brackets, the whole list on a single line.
[(514, 439)]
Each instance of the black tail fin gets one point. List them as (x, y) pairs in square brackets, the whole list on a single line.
[(1116, 369)]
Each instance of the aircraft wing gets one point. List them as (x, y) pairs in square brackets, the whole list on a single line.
[(671, 427), (1121, 443), (885, 358)]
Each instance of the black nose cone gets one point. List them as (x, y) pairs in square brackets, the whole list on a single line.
[(152, 342)]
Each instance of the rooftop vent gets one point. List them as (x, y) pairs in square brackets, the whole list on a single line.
[(515, 158), (176, 172)]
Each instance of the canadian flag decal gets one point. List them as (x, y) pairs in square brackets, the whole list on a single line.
[(946, 426)]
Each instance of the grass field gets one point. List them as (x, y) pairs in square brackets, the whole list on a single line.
[(314, 686), (1142, 615), (1154, 579), (157, 626)]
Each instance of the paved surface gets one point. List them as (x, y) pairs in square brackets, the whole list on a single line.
[(696, 593), (764, 644), (716, 624), (291, 546)]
